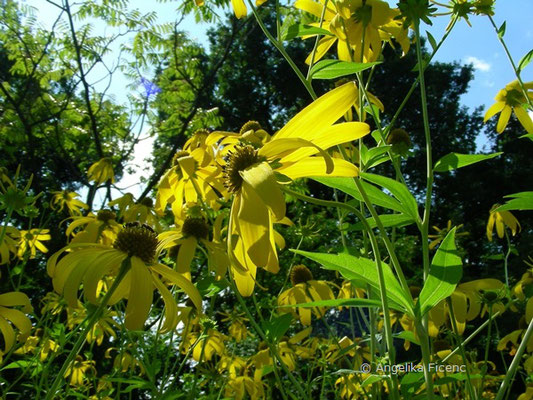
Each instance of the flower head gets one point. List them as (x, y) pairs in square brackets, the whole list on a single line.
[(66, 199), (501, 219), (512, 98), (101, 171), (89, 263), (31, 240), (16, 317)]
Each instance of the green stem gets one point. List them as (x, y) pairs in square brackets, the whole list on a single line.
[(515, 69), (487, 347), (515, 363), (312, 61), (271, 347), (283, 52), (506, 259), (462, 349), (126, 264)]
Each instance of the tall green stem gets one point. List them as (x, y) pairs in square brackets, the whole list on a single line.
[(126, 264)]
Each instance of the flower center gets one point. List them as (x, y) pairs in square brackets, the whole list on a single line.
[(197, 227), (179, 155), (514, 98), (105, 215), (300, 274), (137, 240), (250, 126), (148, 202), (238, 160)]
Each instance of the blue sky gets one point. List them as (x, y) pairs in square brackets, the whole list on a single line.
[(477, 45)]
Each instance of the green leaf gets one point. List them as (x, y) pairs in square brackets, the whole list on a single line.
[(276, 328), (525, 60), (365, 270), (407, 335), (376, 155), (332, 69), (376, 196), (339, 303), (501, 30), (432, 41), (455, 160), (444, 274), (409, 204), (519, 201), (299, 30), (527, 135), (388, 220)]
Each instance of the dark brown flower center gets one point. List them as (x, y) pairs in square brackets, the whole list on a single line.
[(238, 160), (137, 240), (300, 274)]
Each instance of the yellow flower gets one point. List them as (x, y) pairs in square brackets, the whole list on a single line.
[(192, 230), (105, 325), (239, 8), (31, 346), (511, 98), (122, 202), (16, 317), (441, 234), (90, 263), (125, 361), (78, 370), (501, 219), (67, 199), (237, 329), (238, 386), (142, 212), (305, 290), (100, 228), (8, 245), (187, 179), (101, 171), (207, 346), (252, 175), (31, 240)]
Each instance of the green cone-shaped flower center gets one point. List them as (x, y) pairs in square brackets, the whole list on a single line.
[(300, 274), (197, 227), (137, 240), (236, 161), (105, 215)]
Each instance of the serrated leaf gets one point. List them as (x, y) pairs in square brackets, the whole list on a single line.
[(519, 201), (339, 303), (445, 273), (455, 160), (501, 30), (376, 196), (332, 69), (364, 270), (276, 328), (525, 60), (388, 220), (432, 41), (299, 30), (398, 190)]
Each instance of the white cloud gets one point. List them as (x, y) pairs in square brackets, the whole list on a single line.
[(478, 64)]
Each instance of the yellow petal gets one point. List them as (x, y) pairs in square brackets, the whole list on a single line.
[(493, 110), (524, 118), (140, 296), (314, 166), (324, 45), (239, 8), (252, 222), (8, 333), (185, 256), (321, 113), (504, 119), (184, 284), (171, 308), (261, 178), (18, 319)]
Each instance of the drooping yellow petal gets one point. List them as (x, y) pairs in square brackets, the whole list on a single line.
[(459, 310), (18, 319), (493, 110), (140, 296), (7, 333), (239, 8), (185, 256), (504, 119), (261, 178), (324, 45), (171, 308), (524, 118), (321, 113), (184, 284), (315, 166), (252, 225)]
